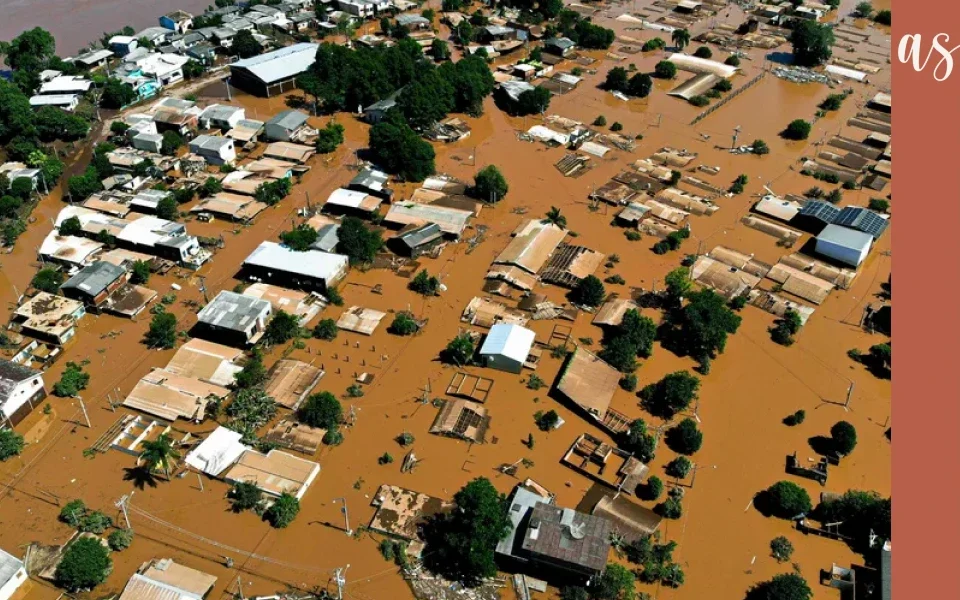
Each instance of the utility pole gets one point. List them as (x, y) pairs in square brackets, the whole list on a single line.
[(122, 505), (83, 408), (846, 405), (341, 577), (229, 95), (203, 288), (346, 515), (736, 134), (240, 588)]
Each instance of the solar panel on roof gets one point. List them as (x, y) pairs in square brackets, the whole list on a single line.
[(862, 219), (820, 210)]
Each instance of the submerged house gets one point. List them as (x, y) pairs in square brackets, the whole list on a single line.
[(312, 270), (21, 390), (273, 72), (94, 284), (234, 318), (507, 347)]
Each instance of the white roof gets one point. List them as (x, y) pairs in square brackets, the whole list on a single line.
[(54, 100), (69, 248), (215, 454), (545, 134), (312, 263), (280, 64), (695, 64), (347, 198), (66, 84), (147, 230), (121, 39), (507, 339), (777, 207), (845, 72), (210, 142), (9, 565)]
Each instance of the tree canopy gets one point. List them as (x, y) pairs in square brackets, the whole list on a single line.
[(461, 543), (245, 45), (47, 280), (590, 291), (812, 43), (85, 564), (398, 149), (685, 437), (700, 328), (299, 238), (670, 395), (639, 441), (859, 513), (359, 243), (163, 331), (489, 184), (321, 410), (282, 328), (784, 499), (786, 586)]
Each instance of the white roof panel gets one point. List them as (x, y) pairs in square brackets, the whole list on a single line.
[(506, 339)]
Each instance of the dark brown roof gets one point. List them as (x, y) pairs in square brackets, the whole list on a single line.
[(567, 536), (11, 374)]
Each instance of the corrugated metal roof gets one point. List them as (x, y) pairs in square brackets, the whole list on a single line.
[(845, 237), (9, 565), (233, 311), (508, 340), (95, 278), (280, 64), (312, 263)]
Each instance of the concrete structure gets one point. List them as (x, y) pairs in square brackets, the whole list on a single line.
[(163, 579), (12, 575), (215, 149), (273, 72), (311, 270), (94, 284), (506, 347), (21, 390), (234, 318), (178, 21), (49, 318), (223, 117), (560, 46), (844, 245)]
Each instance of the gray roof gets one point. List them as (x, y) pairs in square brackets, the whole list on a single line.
[(845, 237), (886, 587), (561, 42), (230, 310), (492, 29), (11, 374), (371, 179), (568, 536), (280, 64), (407, 20), (327, 238), (421, 235), (152, 33), (862, 219), (220, 111), (95, 278), (385, 104), (522, 501), (288, 119), (9, 565), (210, 142), (821, 210)]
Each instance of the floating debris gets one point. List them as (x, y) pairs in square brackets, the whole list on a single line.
[(801, 75)]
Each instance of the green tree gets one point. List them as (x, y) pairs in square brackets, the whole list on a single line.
[(760, 147), (860, 514), (321, 410), (461, 543), (883, 17), (786, 586), (678, 283), (193, 69), (671, 508), (844, 436), (167, 208), (812, 43), (639, 86), (73, 380), (786, 500), (29, 51), (140, 272), (684, 437), (211, 186), (459, 351), (11, 444), (82, 186), (282, 328), (590, 292), (665, 70), (159, 454), (171, 143), (679, 467), (555, 217), (781, 548), (680, 38), (245, 45), (879, 205), (326, 329), (670, 395), (358, 242), (329, 138), (9, 205), (489, 185), (283, 511), (85, 564), (652, 489), (639, 330), (163, 331), (703, 52), (616, 80), (531, 102), (616, 583), (398, 149), (439, 50), (120, 539), (702, 326), (53, 123), (253, 373), (620, 353), (47, 280), (244, 495), (116, 94), (638, 440), (404, 324), (733, 60), (424, 284), (786, 327), (300, 238), (863, 10)]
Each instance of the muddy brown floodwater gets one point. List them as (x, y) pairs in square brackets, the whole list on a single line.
[(723, 541)]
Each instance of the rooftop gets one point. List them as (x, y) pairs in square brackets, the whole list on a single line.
[(508, 340), (312, 263), (11, 374), (206, 361), (352, 199), (275, 472), (9, 565), (163, 579), (96, 278), (588, 381), (170, 396), (291, 381), (451, 221), (280, 64), (230, 310), (288, 119), (400, 511), (846, 237), (532, 245), (568, 536)]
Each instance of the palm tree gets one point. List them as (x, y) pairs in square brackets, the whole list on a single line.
[(554, 216), (681, 38), (158, 454)]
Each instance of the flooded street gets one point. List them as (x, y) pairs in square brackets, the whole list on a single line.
[(723, 541)]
